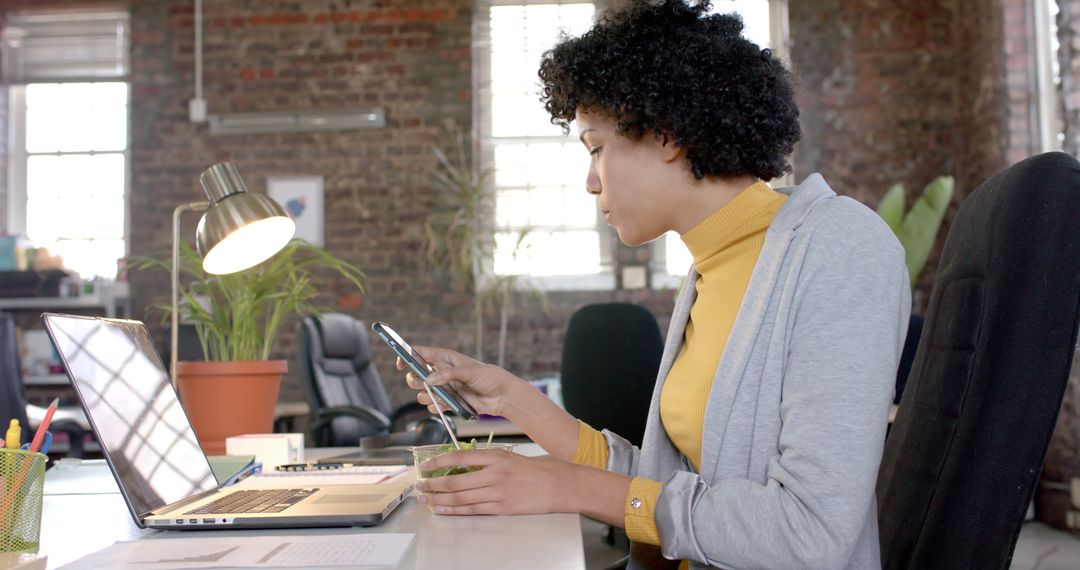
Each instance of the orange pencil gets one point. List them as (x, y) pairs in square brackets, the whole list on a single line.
[(39, 435)]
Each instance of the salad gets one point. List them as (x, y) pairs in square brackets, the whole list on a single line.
[(426, 452), (457, 469)]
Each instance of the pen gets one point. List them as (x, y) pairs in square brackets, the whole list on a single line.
[(14, 435), (47, 444), (39, 435)]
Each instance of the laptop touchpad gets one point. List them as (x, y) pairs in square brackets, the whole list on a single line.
[(339, 498)]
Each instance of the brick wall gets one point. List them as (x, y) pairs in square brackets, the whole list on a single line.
[(983, 133), (877, 92), (898, 93), (411, 58)]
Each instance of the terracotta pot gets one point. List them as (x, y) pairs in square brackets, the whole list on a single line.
[(223, 399)]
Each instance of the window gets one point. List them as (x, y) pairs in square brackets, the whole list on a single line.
[(539, 173), (1048, 75), (69, 161)]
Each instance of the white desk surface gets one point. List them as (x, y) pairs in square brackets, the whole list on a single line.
[(82, 519)]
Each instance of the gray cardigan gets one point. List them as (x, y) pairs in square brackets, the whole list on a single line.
[(795, 421)]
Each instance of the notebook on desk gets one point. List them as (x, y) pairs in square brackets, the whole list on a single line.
[(163, 474)]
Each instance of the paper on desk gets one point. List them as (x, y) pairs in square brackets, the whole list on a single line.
[(299, 551), (364, 475)]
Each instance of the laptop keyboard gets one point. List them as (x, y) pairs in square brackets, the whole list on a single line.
[(254, 501)]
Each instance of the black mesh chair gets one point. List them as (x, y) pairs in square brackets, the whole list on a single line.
[(347, 398), (964, 454), (609, 363)]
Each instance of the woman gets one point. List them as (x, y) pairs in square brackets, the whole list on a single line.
[(768, 418)]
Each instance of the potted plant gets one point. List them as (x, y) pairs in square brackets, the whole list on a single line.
[(918, 227), (461, 234), (507, 292), (236, 318), (459, 230)]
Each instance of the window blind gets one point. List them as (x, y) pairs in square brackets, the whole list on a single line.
[(64, 46)]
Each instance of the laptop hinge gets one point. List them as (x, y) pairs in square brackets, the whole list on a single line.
[(180, 504)]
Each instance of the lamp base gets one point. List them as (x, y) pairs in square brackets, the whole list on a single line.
[(223, 399)]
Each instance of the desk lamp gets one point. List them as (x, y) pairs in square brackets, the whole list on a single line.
[(239, 230)]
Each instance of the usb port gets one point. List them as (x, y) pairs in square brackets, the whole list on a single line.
[(208, 521)]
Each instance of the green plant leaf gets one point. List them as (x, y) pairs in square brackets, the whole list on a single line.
[(921, 224), (457, 228), (892, 205), (247, 308)]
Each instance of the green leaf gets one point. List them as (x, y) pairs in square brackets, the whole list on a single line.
[(460, 224), (247, 308), (891, 207), (921, 224)]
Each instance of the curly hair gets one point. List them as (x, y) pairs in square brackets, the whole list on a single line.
[(669, 68)]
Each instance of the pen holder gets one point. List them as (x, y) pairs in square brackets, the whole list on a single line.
[(22, 481)]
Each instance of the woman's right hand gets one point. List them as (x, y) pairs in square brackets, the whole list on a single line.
[(484, 386)]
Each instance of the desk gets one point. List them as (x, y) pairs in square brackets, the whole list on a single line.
[(82, 519)]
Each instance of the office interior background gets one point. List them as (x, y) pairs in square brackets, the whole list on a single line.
[(890, 93)]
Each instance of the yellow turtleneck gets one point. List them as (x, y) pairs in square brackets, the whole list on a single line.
[(725, 247)]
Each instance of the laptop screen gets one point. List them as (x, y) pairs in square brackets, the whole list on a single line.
[(133, 409)]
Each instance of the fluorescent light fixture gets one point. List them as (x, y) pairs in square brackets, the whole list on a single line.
[(297, 121), (53, 46)]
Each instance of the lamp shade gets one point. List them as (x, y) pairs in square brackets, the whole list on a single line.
[(239, 229)]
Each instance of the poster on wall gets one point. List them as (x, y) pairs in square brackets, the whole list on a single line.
[(302, 198)]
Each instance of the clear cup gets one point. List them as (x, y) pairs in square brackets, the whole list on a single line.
[(422, 453)]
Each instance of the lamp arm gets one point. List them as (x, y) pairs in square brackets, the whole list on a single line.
[(174, 332)]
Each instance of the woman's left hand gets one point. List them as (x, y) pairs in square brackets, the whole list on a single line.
[(508, 484)]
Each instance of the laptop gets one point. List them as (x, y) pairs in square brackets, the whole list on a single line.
[(151, 449)]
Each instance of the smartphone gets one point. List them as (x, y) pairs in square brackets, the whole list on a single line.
[(422, 368)]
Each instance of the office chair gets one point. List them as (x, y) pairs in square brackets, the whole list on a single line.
[(13, 403), (610, 358), (609, 363), (964, 455), (12, 390), (347, 398)]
